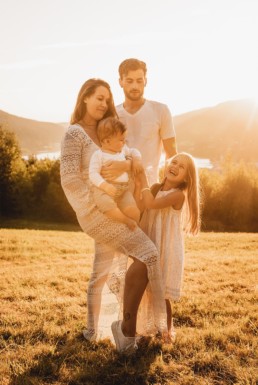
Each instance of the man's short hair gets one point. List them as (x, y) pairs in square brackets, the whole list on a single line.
[(131, 65), (109, 127)]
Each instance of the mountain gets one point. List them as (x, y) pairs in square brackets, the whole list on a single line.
[(228, 128), (34, 136)]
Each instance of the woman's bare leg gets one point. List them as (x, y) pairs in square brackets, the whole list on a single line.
[(135, 283)]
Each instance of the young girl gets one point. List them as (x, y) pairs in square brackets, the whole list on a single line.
[(170, 209)]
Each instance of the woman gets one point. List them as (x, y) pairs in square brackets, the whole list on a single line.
[(114, 241)]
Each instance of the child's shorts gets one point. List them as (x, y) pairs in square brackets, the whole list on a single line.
[(124, 197)]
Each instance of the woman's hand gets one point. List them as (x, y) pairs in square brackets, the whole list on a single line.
[(114, 168)]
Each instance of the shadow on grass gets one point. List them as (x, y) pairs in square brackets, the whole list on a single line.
[(79, 362), (37, 225)]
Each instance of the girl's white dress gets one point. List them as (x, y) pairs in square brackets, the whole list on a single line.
[(164, 228)]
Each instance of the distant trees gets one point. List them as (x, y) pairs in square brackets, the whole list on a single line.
[(12, 171), (230, 197), (32, 189)]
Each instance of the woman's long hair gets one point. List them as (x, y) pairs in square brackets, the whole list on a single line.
[(88, 89)]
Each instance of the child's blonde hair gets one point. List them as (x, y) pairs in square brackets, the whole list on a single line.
[(109, 127), (190, 186)]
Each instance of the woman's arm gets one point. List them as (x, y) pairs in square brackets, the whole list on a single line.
[(114, 168), (75, 188)]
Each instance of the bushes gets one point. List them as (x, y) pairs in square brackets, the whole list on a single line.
[(230, 197), (46, 197), (12, 172), (30, 188)]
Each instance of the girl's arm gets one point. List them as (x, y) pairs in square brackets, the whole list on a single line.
[(137, 194), (174, 199)]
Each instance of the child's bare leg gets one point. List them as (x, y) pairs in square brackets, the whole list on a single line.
[(132, 212), (171, 331), (117, 215), (169, 315)]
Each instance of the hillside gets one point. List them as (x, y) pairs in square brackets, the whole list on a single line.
[(230, 127), (34, 136)]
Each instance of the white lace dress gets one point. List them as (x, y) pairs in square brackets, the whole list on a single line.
[(114, 242), (163, 226)]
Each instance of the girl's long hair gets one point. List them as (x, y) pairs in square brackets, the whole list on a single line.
[(191, 208), (88, 89)]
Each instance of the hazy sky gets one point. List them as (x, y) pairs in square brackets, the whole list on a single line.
[(198, 52)]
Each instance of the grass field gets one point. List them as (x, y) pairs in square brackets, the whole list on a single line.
[(43, 281)]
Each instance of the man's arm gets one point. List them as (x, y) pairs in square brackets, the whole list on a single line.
[(169, 146)]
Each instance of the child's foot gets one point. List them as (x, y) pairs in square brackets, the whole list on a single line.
[(167, 337), (131, 224)]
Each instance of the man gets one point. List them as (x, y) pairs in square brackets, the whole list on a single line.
[(149, 126), (149, 123)]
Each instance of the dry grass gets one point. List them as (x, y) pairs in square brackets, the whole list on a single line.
[(43, 283)]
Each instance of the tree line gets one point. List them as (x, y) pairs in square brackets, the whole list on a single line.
[(31, 188)]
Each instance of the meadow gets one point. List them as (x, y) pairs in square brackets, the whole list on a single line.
[(43, 283)]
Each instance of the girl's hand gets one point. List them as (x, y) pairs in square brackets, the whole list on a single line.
[(137, 166), (137, 180)]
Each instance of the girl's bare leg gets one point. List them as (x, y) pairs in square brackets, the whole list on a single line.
[(171, 331), (169, 315)]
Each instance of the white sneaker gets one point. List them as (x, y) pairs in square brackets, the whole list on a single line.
[(89, 334), (123, 343)]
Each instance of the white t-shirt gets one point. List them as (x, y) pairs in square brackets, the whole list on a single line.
[(145, 131), (99, 158)]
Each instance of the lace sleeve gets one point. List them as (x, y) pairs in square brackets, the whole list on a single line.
[(73, 184)]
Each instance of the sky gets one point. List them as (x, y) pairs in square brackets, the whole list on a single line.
[(199, 53)]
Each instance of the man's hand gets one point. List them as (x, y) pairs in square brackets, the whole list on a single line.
[(108, 188), (114, 168)]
